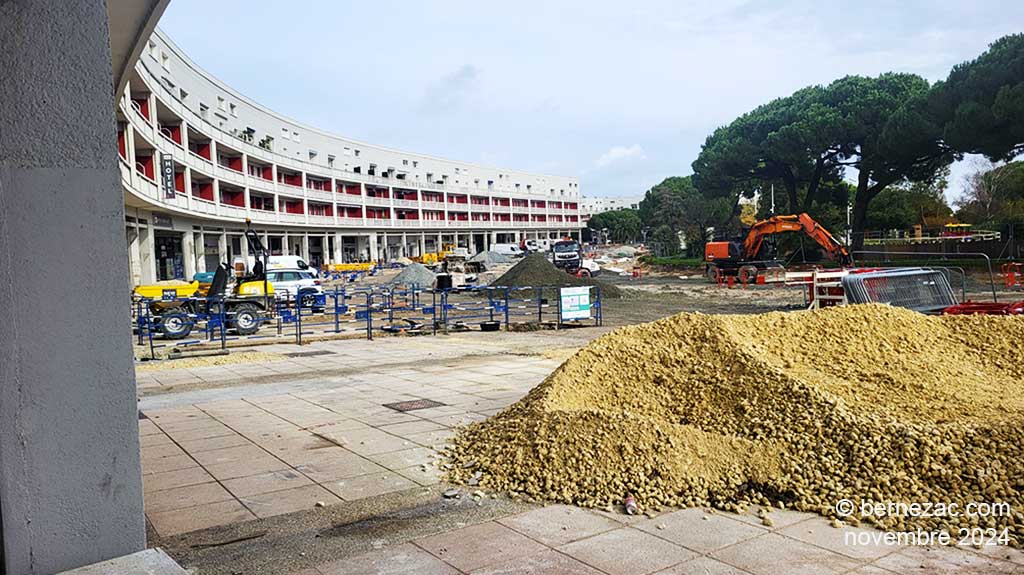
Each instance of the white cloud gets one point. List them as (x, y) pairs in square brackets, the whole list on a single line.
[(617, 154)]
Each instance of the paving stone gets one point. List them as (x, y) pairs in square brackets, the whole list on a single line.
[(818, 531), (154, 482), (702, 566), (556, 525), (368, 485), (171, 463), (405, 429), (213, 443), (230, 455), (429, 476), (404, 458), (154, 439), (342, 467), (266, 482), (289, 500), (162, 450), (187, 496), (372, 441), (944, 560), (178, 521), (772, 553), (627, 551), (431, 438), (547, 562), (479, 545), (147, 561), (245, 468), (687, 527), (395, 560), (781, 518)]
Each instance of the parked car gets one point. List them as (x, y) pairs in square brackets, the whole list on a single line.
[(510, 250), (280, 263), (288, 283)]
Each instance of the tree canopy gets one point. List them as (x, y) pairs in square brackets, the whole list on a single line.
[(993, 195), (623, 225), (675, 206)]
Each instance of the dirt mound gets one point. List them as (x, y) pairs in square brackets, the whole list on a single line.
[(414, 274), (802, 410), (536, 270)]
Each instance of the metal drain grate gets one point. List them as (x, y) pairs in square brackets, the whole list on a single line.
[(309, 353), (413, 405)]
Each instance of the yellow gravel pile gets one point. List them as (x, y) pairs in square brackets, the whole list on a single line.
[(799, 410)]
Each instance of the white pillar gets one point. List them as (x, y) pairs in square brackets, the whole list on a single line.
[(338, 246), (422, 245), (134, 256), (188, 249), (222, 248), (200, 252), (374, 254), (305, 247)]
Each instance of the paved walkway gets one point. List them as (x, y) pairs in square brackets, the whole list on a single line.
[(227, 445)]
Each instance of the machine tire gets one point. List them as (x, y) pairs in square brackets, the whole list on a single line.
[(748, 275), (246, 320), (583, 273), (712, 273), (175, 324)]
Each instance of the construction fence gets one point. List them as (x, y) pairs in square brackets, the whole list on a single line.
[(370, 311)]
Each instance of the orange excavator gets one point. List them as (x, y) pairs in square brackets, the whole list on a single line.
[(741, 257)]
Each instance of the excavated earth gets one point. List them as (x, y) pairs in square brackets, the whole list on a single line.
[(797, 410)]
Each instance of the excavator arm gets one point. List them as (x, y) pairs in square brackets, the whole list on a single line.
[(803, 222)]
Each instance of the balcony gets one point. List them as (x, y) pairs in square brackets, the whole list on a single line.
[(204, 206), (501, 209), (407, 223), (293, 218), (319, 195), (408, 203), (260, 183), (461, 223), (433, 205), (263, 215), (350, 221), (373, 201), (324, 220), (233, 212)]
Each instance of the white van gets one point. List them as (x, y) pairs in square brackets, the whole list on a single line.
[(281, 263), (511, 250)]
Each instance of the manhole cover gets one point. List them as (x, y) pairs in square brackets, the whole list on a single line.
[(308, 353), (414, 404)]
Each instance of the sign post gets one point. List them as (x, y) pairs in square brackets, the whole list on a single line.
[(574, 303), (167, 175)]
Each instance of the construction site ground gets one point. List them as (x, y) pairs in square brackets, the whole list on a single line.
[(291, 462)]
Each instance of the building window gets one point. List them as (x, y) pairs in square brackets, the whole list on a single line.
[(415, 164), (312, 154), (182, 95), (165, 61), (220, 103), (405, 162), (357, 153), (234, 112), (330, 161), (203, 109), (346, 151), (285, 134), (152, 49), (295, 136)]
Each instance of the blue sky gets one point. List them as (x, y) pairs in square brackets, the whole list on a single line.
[(620, 94)]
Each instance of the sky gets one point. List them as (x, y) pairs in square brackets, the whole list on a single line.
[(619, 94)]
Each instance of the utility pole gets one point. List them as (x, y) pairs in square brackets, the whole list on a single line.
[(773, 200)]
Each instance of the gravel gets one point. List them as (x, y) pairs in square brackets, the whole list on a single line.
[(535, 270), (414, 273), (797, 410)]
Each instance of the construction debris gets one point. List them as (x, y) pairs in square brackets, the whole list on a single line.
[(490, 259), (793, 410), (535, 270), (211, 361)]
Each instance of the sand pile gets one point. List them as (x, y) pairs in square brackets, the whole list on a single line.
[(536, 270), (799, 410), (414, 274)]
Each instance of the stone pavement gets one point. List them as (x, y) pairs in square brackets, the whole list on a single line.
[(316, 432)]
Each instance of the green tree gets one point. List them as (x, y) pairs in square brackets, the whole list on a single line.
[(623, 225), (905, 205), (981, 103), (676, 206), (993, 194)]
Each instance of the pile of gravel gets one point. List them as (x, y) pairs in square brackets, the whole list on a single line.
[(535, 270), (490, 259), (868, 403), (414, 274)]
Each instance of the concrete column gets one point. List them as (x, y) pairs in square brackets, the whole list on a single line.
[(222, 248), (305, 247), (374, 254), (188, 253), (401, 251), (134, 256), (245, 252), (339, 242), (200, 252), (147, 251), (286, 244), (440, 242), (384, 255), (70, 479), (422, 245)]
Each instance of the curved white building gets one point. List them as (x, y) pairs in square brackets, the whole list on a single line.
[(198, 158)]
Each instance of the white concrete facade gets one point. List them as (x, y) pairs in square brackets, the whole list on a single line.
[(327, 198), (592, 206)]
